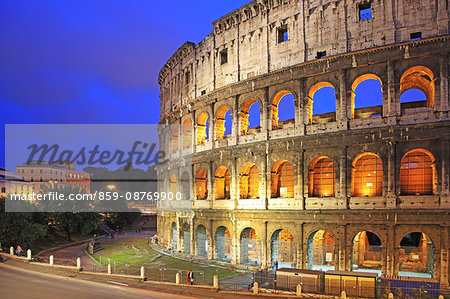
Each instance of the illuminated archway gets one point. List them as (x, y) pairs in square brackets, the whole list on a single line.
[(421, 78), (249, 181), (221, 123), (202, 241), (417, 173), (416, 255), (286, 99), (367, 175), (321, 177), (202, 128), (250, 117), (282, 179), (223, 244), (367, 96), (366, 253), (187, 134), (282, 249), (222, 183), (201, 183), (321, 251), (250, 248), (321, 103)]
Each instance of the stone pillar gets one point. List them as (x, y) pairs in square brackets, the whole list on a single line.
[(177, 278), (392, 107), (267, 179), (299, 249), (342, 195), (211, 241), (444, 256), (234, 185), (212, 126), (342, 248), (343, 109), (179, 244), (299, 194), (390, 248), (445, 184), (234, 242), (390, 177), (193, 238), (265, 260), (216, 281)]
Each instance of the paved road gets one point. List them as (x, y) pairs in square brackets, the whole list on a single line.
[(16, 283)]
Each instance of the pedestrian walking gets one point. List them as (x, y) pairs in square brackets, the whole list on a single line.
[(19, 251), (191, 277), (188, 277)]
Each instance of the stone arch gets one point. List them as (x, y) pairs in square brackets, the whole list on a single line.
[(250, 247), (187, 134), (367, 252), (245, 116), (202, 128), (223, 244), (367, 175), (418, 173), (365, 111), (282, 249), (416, 255), (313, 117), (282, 179), (421, 78), (321, 178), (220, 122), (321, 253), (275, 108), (174, 236), (249, 181), (201, 184), (201, 241), (222, 182)]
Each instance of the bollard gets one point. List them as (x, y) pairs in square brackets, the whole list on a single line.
[(255, 288), (11, 250), (216, 281), (441, 297), (78, 264), (109, 269), (391, 296), (299, 290), (177, 278), (142, 272), (343, 295), (29, 254), (50, 261)]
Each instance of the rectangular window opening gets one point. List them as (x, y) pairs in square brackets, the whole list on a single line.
[(365, 11), (187, 77), (203, 92), (321, 54), (282, 34), (223, 56), (415, 36)]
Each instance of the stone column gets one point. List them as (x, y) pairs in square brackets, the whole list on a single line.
[(265, 261), (444, 279), (234, 243), (211, 241), (234, 186), (193, 238), (392, 107), (211, 185), (342, 193), (445, 184), (343, 109), (390, 177), (299, 111), (301, 179), (179, 243), (299, 248)]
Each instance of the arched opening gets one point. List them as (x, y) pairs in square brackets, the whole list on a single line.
[(222, 183), (417, 88), (202, 128), (187, 134), (417, 173), (223, 244), (321, 177), (322, 103), (283, 110), (223, 123), (366, 253), (202, 242), (185, 186), (174, 236), (201, 184), (282, 179), (321, 255), (250, 250), (282, 249), (367, 175), (416, 256), (250, 117), (249, 181), (367, 96), (174, 139), (173, 184)]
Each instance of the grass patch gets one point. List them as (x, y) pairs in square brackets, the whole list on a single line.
[(125, 251)]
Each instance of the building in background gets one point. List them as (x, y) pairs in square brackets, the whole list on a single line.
[(12, 183), (44, 176)]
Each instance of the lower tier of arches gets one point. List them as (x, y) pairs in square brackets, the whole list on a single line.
[(400, 243)]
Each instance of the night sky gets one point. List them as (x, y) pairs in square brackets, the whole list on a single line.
[(92, 62)]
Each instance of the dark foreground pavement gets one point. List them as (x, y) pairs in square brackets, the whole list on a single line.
[(19, 279)]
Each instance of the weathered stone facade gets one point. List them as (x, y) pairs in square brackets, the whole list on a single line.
[(304, 175)]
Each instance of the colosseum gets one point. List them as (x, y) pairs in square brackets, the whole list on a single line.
[(280, 157)]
